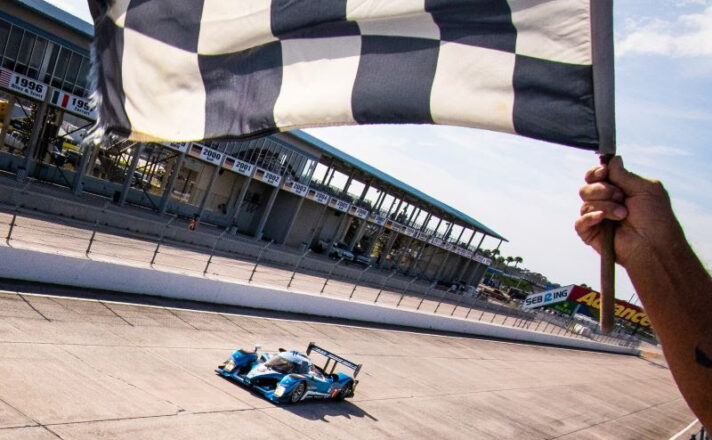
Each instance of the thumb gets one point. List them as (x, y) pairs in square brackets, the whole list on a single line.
[(629, 182)]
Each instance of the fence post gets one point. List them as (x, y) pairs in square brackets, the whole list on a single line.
[(328, 277), (12, 226), (426, 295), (459, 300), (91, 241), (441, 301), (212, 251), (259, 257), (23, 190), (405, 290), (383, 285), (160, 239), (358, 281), (296, 267)]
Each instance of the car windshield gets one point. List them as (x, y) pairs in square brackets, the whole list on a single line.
[(281, 365)]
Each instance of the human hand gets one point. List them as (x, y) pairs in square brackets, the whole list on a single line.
[(646, 225)]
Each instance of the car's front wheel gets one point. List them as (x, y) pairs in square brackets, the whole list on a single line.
[(298, 393)]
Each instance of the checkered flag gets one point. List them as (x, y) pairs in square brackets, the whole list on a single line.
[(182, 70)]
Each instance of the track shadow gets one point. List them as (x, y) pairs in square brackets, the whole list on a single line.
[(321, 409)]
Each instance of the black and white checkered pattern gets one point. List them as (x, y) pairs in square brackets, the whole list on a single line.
[(182, 70)]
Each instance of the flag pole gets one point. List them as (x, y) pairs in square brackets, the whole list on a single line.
[(604, 102)]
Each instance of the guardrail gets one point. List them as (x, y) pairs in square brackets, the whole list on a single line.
[(221, 256), (701, 435)]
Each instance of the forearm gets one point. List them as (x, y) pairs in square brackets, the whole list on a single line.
[(676, 291)]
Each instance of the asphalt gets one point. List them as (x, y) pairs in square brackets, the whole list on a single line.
[(102, 367)]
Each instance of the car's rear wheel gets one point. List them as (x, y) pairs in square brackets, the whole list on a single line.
[(298, 393), (346, 391)]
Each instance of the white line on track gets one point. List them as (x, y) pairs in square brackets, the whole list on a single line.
[(684, 430)]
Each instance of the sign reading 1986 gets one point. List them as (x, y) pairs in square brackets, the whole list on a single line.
[(73, 104), (22, 84)]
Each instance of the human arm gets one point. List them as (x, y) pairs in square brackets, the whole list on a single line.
[(670, 280)]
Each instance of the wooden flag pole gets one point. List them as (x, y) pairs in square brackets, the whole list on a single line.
[(608, 269), (604, 102)]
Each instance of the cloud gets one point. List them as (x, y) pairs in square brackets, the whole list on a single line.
[(687, 36)]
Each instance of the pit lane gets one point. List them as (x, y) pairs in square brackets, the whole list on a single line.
[(84, 365)]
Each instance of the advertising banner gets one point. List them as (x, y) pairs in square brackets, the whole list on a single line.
[(410, 232), (435, 241), (482, 259), (297, 188), (238, 166), (22, 84), (377, 219), (395, 226), (422, 236), (623, 309), (317, 196), (339, 205), (181, 147), (267, 177), (73, 104), (206, 154), (358, 212), (542, 299), (588, 298)]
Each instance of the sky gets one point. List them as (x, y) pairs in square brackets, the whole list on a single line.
[(527, 190)]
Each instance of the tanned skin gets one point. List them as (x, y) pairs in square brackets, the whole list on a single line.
[(672, 283)]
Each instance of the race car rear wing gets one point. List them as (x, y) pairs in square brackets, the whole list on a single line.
[(332, 357)]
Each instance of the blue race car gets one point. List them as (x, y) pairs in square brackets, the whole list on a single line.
[(289, 376)]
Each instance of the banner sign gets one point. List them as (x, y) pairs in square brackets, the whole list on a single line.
[(267, 177), (377, 219), (317, 196), (542, 299), (435, 241), (623, 310), (410, 232), (181, 147), (207, 154), (589, 298), (73, 104), (238, 166), (339, 205), (358, 212), (297, 188), (482, 259), (23, 84), (390, 224), (422, 236)]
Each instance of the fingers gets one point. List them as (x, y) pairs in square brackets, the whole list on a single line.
[(601, 191), (596, 174), (586, 226), (629, 182), (609, 210)]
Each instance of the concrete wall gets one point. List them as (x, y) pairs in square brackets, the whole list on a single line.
[(251, 213), (284, 207), (306, 223), (49, 268)]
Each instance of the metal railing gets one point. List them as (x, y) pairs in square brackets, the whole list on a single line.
[(219, 255), (702, 434)]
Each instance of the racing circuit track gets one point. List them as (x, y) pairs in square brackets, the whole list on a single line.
[(105, 366)]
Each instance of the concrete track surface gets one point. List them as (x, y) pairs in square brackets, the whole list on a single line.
[(104, 366)]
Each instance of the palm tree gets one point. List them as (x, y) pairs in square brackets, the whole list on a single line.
[(509, 259), (517, 260), (499, 260)]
